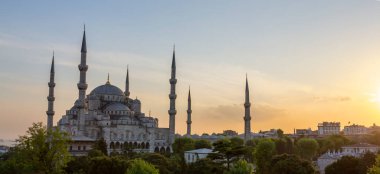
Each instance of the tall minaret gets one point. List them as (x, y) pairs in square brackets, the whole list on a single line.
[(126, 92), (247, 116), (82, 85), (172, 96), (189, 114), (50, 112)]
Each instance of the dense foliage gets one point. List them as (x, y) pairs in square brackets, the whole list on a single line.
[(45, 151), (39, 151), (307, 148), (290, 164), (355, 165)]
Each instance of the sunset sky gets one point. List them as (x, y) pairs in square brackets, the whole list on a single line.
[(307, 61)]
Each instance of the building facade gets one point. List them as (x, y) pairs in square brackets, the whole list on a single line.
[(356, 150), (195, 155), (109, 113), (355, 130), (328, 128)]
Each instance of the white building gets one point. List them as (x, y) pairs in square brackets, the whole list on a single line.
[(328, 128), (195, 155), (355, 130), (355, 150)]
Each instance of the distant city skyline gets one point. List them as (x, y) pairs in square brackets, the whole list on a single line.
[(307, 62)]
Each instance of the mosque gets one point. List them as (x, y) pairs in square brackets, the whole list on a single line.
[(109, 113)]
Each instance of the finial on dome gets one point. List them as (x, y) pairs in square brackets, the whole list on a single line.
[(108, 79)]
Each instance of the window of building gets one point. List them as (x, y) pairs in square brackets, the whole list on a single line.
[(78, 147), (71, 148), (84, 147)]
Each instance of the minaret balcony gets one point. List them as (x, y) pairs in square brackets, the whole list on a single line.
[(173, 81), (50, 112), (172, 112), (82, 86), (82, 67), (172, 96), (51, 84), (50, 98), (247, 105)]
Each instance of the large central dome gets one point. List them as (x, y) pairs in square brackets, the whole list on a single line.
[(107, 89)]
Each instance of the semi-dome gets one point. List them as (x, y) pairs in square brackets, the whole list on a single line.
[(117, 107), (107, 89)]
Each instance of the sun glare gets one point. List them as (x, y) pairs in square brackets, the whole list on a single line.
[(375, 97)]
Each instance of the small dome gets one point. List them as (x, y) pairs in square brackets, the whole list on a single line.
[(117, 107), (107, 89)]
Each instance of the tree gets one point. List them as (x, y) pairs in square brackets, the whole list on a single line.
[(199, 144), (100, 145), (236, 142), (39, 150), (280, 146), (280, 133), (365, 162), (105, 164), (332, 142), (139, 166), (227, 151), (159, 161), (181, 145), (307, 148), (264, 151), (347, 164), (375, 169), (78, 165), (205, 166), (374, 138), (249, 149), (241, 167), (290, 164)]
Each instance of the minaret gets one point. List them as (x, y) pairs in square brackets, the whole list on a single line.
[(126, 92), (82, 85), (247, 116), (50, 112), (172, 96), (189, 114)]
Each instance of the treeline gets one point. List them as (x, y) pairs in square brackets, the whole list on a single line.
[(43, 151)]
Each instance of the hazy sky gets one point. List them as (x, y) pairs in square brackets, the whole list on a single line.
[(307, 61)]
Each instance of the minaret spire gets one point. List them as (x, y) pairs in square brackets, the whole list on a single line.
[(247, 116), (82, 85), (126, 92), (108, 79), (50, 112), (172, 96), (189, 111), (84, 46)]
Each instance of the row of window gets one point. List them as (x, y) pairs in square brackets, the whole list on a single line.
[(79, 148)]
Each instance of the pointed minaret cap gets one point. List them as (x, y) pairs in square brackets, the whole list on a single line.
[(246, 89), (126, 92), (189, 97), (52, 64), (173, 61), (108, 79), (84, 46)]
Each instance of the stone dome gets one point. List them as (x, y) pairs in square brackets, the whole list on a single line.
[(107, 89), (117, 107)]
